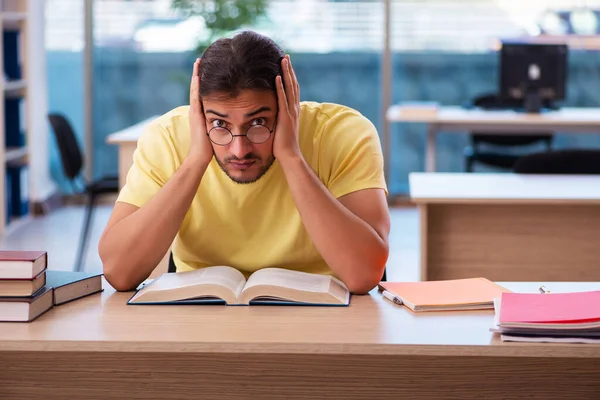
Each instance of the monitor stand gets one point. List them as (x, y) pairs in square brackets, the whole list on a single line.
[(532, 102)]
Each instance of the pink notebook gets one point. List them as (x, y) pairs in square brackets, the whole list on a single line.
[(555, 308)]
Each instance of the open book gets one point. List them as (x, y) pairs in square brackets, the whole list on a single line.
[(222, 284)]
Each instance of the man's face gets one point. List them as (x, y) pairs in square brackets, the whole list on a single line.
[(242, 160)]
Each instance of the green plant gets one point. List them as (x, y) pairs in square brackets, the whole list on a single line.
[(221, 17)]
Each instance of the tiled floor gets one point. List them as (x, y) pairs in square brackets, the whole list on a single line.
[(58, 233)]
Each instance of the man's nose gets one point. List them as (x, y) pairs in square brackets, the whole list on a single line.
[(240, 146)]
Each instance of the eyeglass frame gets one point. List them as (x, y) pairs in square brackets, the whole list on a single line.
[(246, 134)]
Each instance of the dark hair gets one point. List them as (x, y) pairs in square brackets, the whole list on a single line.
[(248, 60)]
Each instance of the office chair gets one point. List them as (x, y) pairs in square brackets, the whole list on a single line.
[(504, 160), (172, 268), (72, 164), (563, 162)]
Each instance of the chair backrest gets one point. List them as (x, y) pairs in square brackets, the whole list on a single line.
[(563, 162), (492, 101), (171, 267), (70, 153), (511, 139)]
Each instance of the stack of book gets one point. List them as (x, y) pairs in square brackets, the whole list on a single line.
[(548, 317), (28, 288)]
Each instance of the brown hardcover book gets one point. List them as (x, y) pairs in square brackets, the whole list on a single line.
[(26, 309), (18, 264), (21, 287)]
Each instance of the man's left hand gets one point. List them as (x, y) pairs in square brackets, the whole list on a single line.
[(285, 144)]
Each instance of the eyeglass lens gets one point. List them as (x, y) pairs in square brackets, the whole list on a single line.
[(256, 134)]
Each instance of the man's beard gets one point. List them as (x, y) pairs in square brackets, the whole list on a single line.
[(250, 156)]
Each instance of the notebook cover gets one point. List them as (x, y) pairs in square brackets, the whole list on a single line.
[(550, 307), (446, 292)]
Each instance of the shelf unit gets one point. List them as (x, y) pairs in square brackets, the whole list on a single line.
[(14, 113)]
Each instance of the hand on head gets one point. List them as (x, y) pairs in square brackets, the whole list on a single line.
[(200, 146), (288, 100)]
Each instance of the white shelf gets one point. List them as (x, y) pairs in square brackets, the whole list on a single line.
[(20, 16), (15, 153), (12, 19), (15, 85)]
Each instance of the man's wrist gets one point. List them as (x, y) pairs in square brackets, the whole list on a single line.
[(195, 165), (291, 161)]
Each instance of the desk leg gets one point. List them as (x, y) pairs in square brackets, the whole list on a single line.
[(423, 240), (430, 153)]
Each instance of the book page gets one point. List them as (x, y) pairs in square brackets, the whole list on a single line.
[(290, 279), (277, 284), (181, 285)]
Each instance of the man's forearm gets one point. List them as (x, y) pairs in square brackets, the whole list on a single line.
[(132, 248), (351, 247)]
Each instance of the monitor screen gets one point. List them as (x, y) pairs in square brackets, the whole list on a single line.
[(528, 69)]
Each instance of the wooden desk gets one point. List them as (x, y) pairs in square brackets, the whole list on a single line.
[(508, 227), (462, 120), (127, 139), (100, 348)]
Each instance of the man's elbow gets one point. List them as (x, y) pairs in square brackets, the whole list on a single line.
[(113, 272), (364, 283), (118, 279), (369, 278)]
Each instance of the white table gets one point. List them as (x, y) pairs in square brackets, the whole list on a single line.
[(462, 120), (127, 140), (508, 227)]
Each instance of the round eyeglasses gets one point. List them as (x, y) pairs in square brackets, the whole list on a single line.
[(256, 134)]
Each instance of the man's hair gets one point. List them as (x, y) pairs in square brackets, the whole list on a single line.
[(247, 61)]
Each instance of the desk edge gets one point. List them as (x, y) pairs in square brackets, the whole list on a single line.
[(543, 350)]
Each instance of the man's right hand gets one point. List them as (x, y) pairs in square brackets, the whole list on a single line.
[(201, 149)]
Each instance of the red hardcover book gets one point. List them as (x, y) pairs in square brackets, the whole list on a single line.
[(22, 264)]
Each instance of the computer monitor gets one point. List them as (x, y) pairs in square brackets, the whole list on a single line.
[(533, 75)]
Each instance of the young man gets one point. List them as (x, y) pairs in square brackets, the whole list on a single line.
[(249, 177)]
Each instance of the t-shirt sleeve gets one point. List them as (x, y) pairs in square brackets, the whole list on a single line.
[(154, 162), (350, 155)]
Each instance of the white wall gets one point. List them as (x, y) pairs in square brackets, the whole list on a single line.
[(40, 184)]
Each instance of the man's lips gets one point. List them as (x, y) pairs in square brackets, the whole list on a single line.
[(242, 164)]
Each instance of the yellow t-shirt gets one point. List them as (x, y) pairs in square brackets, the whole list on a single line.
[(256, 225)]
